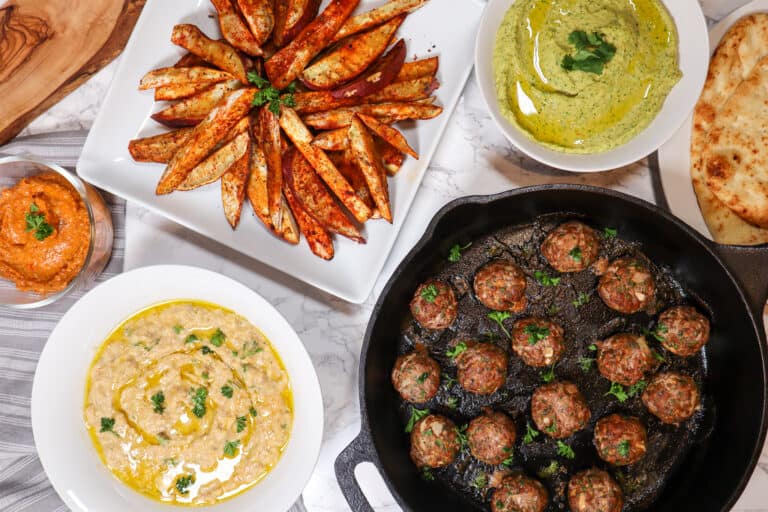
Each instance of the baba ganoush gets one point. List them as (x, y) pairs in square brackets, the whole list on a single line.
[(188, 403), (585, 76)]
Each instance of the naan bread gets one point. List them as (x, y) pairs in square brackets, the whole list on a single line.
[(736, 56)]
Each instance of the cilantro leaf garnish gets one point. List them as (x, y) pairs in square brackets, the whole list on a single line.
[(227, 391), (218, 338), (576, 254), (548, 375), (240, 423), (530, 433), (183, 483), (586, 363), (455, 253), (582, 299), (618, 391), (230, 448), (429, 293), (535, 333), (623, 448), (545, 279), (499, 317), (593, 52), (565, 451), (35, 220), (271, 96), (158, 402), (198, 401), (456, 350), (610, 232), (108, 425), (416, 415)]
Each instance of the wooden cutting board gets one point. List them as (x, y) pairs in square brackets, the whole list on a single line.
[(49, 47)]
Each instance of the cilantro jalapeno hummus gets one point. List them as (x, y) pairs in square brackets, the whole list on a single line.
[(188, 403), (584, 76)]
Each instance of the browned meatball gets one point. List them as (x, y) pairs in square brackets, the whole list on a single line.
[(683, 330), (416, 376), (620, 440), (624, 358), (672, 397), (559, 409), (538, 341), (491, 437), (571, 247), (500, 285), (482, 368), (434, 442), (518, 493), (434, 305), (627, 286), (593, 490)]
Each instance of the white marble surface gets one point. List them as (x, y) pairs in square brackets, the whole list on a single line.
[(473, 158)]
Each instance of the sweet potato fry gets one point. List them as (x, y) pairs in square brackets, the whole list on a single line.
[(259, 16), (418, 69), (313, 195), (214, 167), (177, 92), (302, 139), (171, 77), (288, 63), (386, 112), (350, 59), (192, 110), (381, 74), (159, 148), (389, 134), (345, 163), (377, 16), (362, 146), (412, 90), (318, 239), (204, 138), (269, 140), (220, 54), (332, 140), (257, 186), (190, 60), (233, 185), (391, 157), (234, 29), (291, 16)]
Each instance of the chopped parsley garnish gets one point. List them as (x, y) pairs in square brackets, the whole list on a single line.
[(427, 474), (510, 456), (548, 375), (253, 411), (586, 363), (452, 402), (582, 299), (227, 391), (230, 448), (623, 448), (530, 433), (206, 350), (565, 451), (593, 52), (545, 279), (610, 232), (241, 422), (576, 254), (35, 220), (592, 347), (551, 429), (549, 471), (618, 391), (456, 350), (422, 378), (218, 338), (455, 253), (271, 95), (177, 328), (499, 317), (416, 415), (535, 333), (183, 483), (205, 375), (198, 401), (461, 434), (108, 425), (657, 333), (191, 339), (429, 293), (657, 356), (449, 381), (158, 402), (637, 388), (480, 481)]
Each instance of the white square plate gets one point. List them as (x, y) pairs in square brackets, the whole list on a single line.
[(436, 29)]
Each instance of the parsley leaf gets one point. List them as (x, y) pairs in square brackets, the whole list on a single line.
[(240, 423), (586, 363), (548, 375), (545, 279), (657, 333), (623, 448), (456, 350), (535, 333), (455, 254), (416, 415), (191, 339), (592, 53), (158, 401), (253, 412), (582, 299), (592, 347), (429, 293), (257, 80), (637, 388), (530, 433), (230, 448), (452, 402), (461, 434), (271, 96), (108, 425), (510, 458), (198, 401), (610, 232), (576, 254), (549, 471), (565, 451), (227, 391), (206, 350), (480, 481), (618, 391), (35, 220), (183, 483), (427, 474), (422, 378), (218, 338), (177, 328), (499, 317)]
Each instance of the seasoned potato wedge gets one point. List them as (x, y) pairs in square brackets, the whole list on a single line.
[(332, 140), (233, 185), (391, 157), (190, 111), (362, 146), (270, 141), (289, 228), (234, 29), (418, 69), (389, 134), (351, 58), (291, 16), (259, 16), (177, 92), (257, 186), (386, 112), (412, 90), (220, 54), (346, 164), (173, 77), (377, 16), (190, 60), (217, 164), (378, 76), (318, 239), (159, 148)]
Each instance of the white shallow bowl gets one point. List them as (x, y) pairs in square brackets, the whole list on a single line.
[(693, 61), (66, 451)]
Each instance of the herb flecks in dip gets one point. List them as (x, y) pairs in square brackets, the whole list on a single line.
[(188, 403), (549, 87), (45, 233)]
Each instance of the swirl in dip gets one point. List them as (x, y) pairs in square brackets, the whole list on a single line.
[(188, 403), (584, 76), (45, 233)]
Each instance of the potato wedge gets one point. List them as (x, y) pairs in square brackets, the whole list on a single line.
[(418, 69), (288, 63), (391, 157), (386, 112), (190, 60), (220, 54), (233, 185), (302, 139), (317, 237), (289, 228), (270, 141), (381, 74), (347, 166), (259, 16), (313, 195), (234, 29), (217, 164), (257, 187), (332, 140), (369, 162), (159, 148), (389, 134), (377, 16), (204, 138), (412, 90), (291, 16), (177, 92), (351, 58), (192, 110), (176, 77)]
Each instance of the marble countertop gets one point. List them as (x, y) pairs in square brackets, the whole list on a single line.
[(473, 158)]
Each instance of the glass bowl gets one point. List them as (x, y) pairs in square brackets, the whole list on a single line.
[(13, 169)]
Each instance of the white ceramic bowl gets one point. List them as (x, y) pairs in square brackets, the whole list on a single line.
[(694, 62), (66, 451)]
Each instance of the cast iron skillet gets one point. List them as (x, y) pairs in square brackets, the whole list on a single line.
[(713, 476)]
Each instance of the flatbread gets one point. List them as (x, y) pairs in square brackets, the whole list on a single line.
[(738, 53)]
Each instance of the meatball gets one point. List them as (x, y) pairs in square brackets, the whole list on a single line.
[(434, 305), (518, 493), (500, 285), (672, 397), (620, 440), (627, 286), (538, 341), (683, 330), (491, 437), (482, 368), (624, 358), (559, 409), (571, 247), (434, 442), (416, 376), (593, 490)]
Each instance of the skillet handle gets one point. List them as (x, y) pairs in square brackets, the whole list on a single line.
[(359, 450), (750, 267)]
